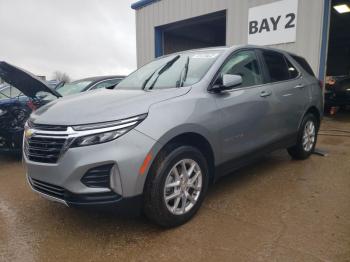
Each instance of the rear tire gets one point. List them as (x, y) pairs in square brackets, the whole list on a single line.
[(176, 187), (307, 138)]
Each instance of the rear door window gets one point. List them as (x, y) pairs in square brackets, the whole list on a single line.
[(276, 66)]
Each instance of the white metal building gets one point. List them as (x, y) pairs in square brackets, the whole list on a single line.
[(300, 26)]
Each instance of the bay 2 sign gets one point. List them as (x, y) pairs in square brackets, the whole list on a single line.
[(273, 23)]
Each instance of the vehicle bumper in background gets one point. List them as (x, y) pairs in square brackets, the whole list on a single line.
[(11, 141), (62, 181), (337, 98)]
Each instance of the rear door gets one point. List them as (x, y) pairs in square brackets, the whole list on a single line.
[(290, 95)]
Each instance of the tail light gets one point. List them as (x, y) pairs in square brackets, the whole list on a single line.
[(31, 105), (321, 83)]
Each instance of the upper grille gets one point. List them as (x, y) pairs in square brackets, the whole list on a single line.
[(44, 149), (47, 127)]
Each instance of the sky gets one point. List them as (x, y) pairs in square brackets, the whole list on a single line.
[(79, 37)]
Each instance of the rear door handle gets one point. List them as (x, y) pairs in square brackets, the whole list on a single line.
[(265, 93), (299, 86)]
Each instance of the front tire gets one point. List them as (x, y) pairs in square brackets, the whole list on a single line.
[(307, 138), (176, 187)]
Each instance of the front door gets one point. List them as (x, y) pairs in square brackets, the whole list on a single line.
[(245, 110)]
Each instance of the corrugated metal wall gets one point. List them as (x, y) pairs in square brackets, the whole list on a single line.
[(309, 24)]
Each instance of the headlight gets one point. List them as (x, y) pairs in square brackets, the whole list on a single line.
[(2, 112), (104, 132)]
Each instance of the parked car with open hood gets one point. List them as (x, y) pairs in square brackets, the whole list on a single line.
[(88, 84), (26, 92), (23, 93), (170, 128)]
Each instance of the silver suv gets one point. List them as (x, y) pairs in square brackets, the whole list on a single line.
[(171, 128)]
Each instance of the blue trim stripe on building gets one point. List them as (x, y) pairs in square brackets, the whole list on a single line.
[(142, 3), (158, 43), (324, 43)]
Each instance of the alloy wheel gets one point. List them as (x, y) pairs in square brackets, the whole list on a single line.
[(183, 186), (309, 136)]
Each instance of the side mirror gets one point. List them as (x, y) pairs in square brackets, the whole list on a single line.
[(231, 81), (227, 82)]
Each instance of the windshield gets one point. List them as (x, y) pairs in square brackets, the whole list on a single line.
[(176, 70), (9, 92), (74, 87)]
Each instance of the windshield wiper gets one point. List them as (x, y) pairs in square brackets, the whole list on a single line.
[(147, 80), (59, 85), (163, 69), (183, 75)]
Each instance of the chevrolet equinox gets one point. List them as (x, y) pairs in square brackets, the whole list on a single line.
[(171, 128)]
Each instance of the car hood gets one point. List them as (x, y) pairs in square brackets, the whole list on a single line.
[(101, 106), (24, 81)]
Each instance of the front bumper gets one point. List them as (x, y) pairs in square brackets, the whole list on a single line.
[(100, 201), (61, 181)]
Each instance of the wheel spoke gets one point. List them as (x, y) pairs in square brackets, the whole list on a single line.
[(305, 142), (176, 204), (172, 196), (184, 169), (173, 184), (192, 200), (312, 129), (183, 202), (190, 171), (194, 178), (176, 172), (196, 188)]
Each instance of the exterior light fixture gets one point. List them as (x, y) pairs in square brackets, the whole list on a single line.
[(341, 9)]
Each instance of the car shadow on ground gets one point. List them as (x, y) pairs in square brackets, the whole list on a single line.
[(105, 222)]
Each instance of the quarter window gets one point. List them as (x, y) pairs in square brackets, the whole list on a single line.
[(276, 66), (305, 65), (245, 64), (293, 71)]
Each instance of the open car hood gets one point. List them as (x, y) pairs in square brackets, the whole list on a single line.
[(24, 81)]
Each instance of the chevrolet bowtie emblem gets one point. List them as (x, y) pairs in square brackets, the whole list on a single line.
[(28, 133)]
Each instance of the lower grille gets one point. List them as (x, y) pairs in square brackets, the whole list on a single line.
[(73, 199), (98, 176), (44, 149), (48, 189)]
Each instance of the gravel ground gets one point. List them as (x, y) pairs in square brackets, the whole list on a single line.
[(274, 210)]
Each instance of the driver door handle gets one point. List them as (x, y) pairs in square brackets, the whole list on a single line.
[(265, 93), (299, 86)]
